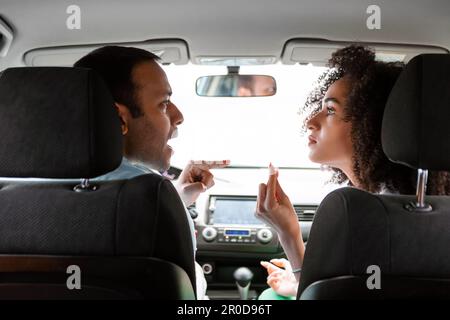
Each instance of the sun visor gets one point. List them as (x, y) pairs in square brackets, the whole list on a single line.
[(170, 51), (318, 52)]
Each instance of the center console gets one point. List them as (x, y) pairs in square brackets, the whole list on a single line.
[(231, 226), (229, 236)]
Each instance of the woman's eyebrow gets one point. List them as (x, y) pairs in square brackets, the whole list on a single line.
[(332, 100)]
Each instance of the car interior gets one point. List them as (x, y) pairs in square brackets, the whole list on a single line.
[(59, 132)]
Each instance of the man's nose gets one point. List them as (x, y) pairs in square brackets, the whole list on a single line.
[(176, 115)]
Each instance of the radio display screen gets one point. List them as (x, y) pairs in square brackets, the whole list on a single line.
[(244, 233), (235, 212)]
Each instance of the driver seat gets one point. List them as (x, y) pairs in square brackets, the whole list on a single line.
[(129, 238)]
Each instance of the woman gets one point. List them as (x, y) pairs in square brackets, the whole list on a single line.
[(344, 119)]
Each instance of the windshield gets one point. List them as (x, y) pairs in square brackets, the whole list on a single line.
[(249, 131)]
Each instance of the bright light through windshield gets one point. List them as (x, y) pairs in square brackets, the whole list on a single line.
[(248, 131)]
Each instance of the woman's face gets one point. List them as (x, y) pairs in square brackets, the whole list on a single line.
[(329, 139)]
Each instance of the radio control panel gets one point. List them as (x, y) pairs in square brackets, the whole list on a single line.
[(260, 239), (231, 226), (237, 235)]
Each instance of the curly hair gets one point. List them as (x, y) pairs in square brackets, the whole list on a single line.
[(372, 82)]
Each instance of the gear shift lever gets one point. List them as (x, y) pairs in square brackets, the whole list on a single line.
[(243, 277)]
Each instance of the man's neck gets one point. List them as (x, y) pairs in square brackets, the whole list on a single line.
[(139, 165)]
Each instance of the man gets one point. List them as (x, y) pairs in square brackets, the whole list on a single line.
[(255, 86), (149, 120)]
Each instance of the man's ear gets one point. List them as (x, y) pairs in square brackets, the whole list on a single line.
[(124, 116)]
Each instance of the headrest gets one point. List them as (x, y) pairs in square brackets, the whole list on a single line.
[(57, 123), (416, 130)]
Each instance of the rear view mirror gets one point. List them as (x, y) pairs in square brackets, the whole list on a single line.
[(236, 85)]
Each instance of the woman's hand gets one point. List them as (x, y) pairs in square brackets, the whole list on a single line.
[(274, 207), (282, 281)]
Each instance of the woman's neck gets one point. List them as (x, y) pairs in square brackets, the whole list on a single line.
[(350, 173)]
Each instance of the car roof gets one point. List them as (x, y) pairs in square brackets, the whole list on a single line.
[(222, 28)]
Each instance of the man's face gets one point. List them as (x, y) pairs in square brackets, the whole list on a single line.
[(263, 86), (147, 135), (257, 86)]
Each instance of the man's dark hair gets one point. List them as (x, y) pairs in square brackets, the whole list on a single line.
[(115, 65), (247, 81)]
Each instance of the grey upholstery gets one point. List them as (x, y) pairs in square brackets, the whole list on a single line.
[(112, 278), (57, 123), (60, 122), (415, 124), (353, 229)]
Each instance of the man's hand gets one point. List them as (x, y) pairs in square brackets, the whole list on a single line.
[(196, 178), (282, 281)]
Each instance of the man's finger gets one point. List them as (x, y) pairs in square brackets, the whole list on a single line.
[(207, 179), (196, 187)]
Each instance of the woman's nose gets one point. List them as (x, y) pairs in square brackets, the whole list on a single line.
[(313, 123)]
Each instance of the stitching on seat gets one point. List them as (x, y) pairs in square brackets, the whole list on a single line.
[(350, 239), (119, 195), (154, 231), (90, 103), (388, 222)]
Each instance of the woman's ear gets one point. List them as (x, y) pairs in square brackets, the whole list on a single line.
[(124, 116)]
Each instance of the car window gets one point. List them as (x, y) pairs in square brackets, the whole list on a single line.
[(250, 131)]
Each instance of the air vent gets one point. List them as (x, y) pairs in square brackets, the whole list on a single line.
[(305, 212)]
